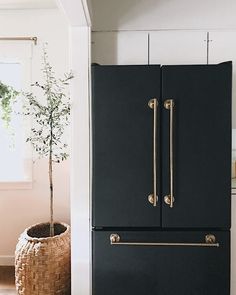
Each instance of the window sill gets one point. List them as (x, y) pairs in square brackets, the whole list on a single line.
[(16, 185)]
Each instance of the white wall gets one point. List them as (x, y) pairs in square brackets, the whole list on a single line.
[(21, 208), (163, 14)]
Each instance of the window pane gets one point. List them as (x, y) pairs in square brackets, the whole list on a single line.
[(12, 151)]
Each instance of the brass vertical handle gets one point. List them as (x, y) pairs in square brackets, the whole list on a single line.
[(169, 199), (153, 198)]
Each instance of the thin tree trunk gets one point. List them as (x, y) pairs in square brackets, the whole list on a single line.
[(51, 181), (51, 197)]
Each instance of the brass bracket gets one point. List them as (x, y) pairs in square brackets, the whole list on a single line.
[(210, 239), (153, 103), (169, 103), (167, 199), (114, 238), (151, 199)]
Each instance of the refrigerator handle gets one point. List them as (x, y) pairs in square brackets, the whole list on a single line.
[(169, 199), (153, 198), (210, 241)]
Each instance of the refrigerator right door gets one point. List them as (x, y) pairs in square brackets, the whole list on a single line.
[(160, 263), (196, 146)]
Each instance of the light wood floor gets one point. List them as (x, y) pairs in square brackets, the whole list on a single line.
[(7, 278)]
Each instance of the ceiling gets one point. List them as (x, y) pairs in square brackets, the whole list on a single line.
[(27, 4)]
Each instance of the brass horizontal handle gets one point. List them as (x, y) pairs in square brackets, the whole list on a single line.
[(210, 241)]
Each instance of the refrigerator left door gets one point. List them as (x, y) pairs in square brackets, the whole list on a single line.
[(125, 154)]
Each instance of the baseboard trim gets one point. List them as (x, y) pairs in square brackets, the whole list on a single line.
[(6, 260)]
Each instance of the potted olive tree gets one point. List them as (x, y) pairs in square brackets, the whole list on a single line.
[(42, 257)]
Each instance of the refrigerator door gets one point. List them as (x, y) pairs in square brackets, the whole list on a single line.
[(196, 146), (187, 268), (123, 146)]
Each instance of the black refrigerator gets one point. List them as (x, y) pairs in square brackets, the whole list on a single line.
[(161, 179)]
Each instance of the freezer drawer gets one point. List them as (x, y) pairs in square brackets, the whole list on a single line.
[(161, 263)]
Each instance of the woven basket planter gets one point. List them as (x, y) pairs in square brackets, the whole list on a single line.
[(42, 263)]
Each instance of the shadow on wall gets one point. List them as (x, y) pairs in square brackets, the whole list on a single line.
[(120, 48), (107, 40), (162, 14), (114, 14), (107, 15)]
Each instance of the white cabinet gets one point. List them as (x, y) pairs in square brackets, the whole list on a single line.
[(159, 47), (222, 47), (178, 47), (117, 48)]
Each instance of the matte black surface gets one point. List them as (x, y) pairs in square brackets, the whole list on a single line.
[(139, 270), (123, 145), (202, 145)]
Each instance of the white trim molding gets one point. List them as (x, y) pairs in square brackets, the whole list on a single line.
[(77, 13), (80, 180), (16, 185), (27, 4), (6, 260)]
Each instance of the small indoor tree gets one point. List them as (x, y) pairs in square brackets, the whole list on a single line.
[(42, 257), (50, 115)]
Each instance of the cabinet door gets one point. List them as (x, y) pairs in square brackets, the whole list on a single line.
[(178, 47), (123, 145), (120, 48), (160, 270), (201, 146)]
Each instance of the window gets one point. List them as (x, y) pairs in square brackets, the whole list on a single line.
[(15, 154)]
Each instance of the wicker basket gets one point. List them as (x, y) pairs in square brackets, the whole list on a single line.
[(42, 263)]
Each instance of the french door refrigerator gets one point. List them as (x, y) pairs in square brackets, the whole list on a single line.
[(161, 179)]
